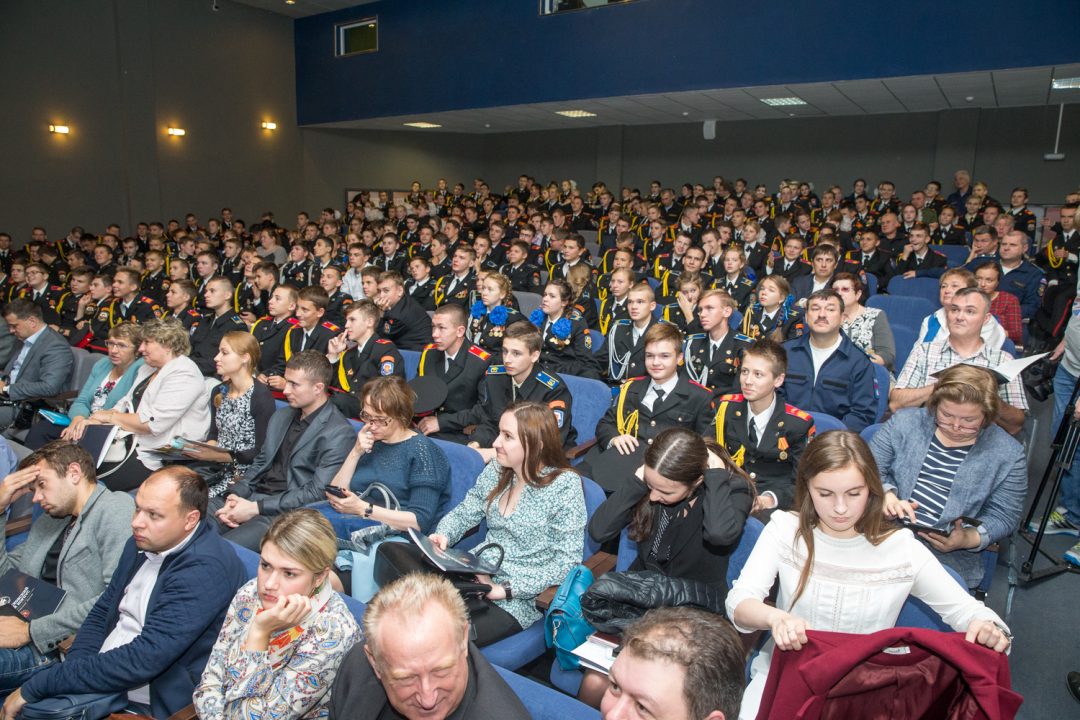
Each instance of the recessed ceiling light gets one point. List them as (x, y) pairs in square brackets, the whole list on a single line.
[(176, 131), (774, 102), (575, 113), (423, 125), (290, 2), (62, 129), (1066, 83)]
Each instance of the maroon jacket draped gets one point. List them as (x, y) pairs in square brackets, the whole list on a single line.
[(930, 675)]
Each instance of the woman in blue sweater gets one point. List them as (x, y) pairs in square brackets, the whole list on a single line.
[(110, 379), (388, 452)]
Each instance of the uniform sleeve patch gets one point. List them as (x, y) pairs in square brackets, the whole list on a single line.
[(558, 407), (386, 365)]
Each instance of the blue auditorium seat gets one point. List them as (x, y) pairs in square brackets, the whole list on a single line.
[(903, 310)]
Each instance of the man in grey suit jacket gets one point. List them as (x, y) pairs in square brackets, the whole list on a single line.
[(42, 366), (306, 444), (76, 545)]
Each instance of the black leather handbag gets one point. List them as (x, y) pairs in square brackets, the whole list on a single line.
[(395, 560), (85, 706)]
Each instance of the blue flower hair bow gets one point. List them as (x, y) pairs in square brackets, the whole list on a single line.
[(561, 329), (786, 308), (498, 315), (538, 318), (478, 310)]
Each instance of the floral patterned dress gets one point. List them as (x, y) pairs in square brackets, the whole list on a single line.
[(543, 538), (242, 685)]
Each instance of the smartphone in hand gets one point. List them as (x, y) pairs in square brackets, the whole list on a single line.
[(335, 491)]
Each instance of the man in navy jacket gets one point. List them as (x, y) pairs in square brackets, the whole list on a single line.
[(827, 373), (152, 630)]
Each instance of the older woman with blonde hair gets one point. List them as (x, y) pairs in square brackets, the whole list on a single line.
[(951, 468), (285, 633), (167, 399)]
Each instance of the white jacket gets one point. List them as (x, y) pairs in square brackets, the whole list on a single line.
[(175, 403)]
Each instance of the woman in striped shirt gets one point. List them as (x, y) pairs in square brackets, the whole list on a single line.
[(950, 463)]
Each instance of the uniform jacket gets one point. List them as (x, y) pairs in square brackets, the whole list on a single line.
[(319, 339), (772, 463), (523, 278), (355, 366), (791, 326), (625, 359), (845, 388), (540, 386), (460, 293), (932, 265), (206, 339), (688, 406), (721, 373), (407, 325), (141, 309), (1027, 283), (271, 337), (464, 382)]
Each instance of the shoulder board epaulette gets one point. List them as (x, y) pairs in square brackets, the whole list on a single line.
[(938, 253), (732, 398), (671, 305), (331, 326), (430, 347), (236, 318), (634, 379), (264, 317), (478, 352), (623, 321), (56, 287), (801, 414), (701, 386), (547, 380), (384, 342), (744, 338), (695, 336), (496, 370), (747, 281), (143, 299), (291, 321)]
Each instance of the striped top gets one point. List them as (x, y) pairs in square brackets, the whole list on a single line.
[(935, 480)]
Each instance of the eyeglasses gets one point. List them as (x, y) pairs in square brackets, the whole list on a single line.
[(381, 422), (954, 424), (118, 346)]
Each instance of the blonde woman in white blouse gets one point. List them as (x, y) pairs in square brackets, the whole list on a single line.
[(842, 566)]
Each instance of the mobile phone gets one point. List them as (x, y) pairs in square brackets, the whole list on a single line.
[(335, 491), (917, 528)]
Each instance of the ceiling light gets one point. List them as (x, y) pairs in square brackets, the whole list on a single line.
[(290, 2), (575, 113), (176, 131), (62, 129), (1066, 83), (423, 125), (774, 102), (270, 126)]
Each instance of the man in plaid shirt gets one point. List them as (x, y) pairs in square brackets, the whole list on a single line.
[(965, 316)]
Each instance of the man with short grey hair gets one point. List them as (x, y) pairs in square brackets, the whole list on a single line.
[(417, 662)]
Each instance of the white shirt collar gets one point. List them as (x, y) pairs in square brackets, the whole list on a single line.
[(762, 420), (666, 387), (160, 557)]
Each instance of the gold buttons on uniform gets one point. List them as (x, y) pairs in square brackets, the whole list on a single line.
[(753, 476), (650, 441), (653, 423)]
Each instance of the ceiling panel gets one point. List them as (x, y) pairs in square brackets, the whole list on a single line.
[(301, 8), (1001, 88)]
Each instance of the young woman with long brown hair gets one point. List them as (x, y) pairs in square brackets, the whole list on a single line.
[(685, 508), (843, 566), (534, 504)]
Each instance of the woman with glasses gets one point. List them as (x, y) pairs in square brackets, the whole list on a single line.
[(109, 380), (410, 464), (867, 327), (949, 464)]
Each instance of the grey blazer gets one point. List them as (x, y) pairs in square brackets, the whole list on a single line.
[(315, 459), (990, 484), (88, 559), (45, 369)]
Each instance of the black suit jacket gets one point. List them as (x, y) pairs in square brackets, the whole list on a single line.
[(688, 406), (464, 382), (407, 325), (544, 387)]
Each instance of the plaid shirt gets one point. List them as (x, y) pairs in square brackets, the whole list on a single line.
[(929, 358), (1006, 308)]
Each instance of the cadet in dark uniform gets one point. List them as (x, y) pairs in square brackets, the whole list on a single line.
[(405, 322), (625, 340), (568, 345), (130, 304), (734, 279), (524, 277), (712, 357), (44, 295), (420, 286), (775, 312), (521, 377), (762, 434), (270, 331), (645, 406), (298, 271), (686, 318), (1025, 219), (310, 332), (490, 316), (613, 307), (92, 331), (870, 259), (370, 357), (339, 301), (207, 333), (456, 286), (921, 261), (155, 281), (68, 306), (390, 258), (458, 363)]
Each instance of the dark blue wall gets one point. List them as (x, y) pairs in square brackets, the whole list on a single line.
[(438, 55)]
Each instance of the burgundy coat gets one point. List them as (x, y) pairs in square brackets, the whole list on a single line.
[(937, 676)]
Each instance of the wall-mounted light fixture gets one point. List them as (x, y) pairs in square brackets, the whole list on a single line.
[(176, 131), (269, 126), (62, 129)]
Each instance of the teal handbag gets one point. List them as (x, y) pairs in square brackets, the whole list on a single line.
[(564, 627)]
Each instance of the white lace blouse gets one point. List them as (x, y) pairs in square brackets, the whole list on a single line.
[(855, 587)]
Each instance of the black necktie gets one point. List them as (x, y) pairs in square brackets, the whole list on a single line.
[(659, 398), (753, 432)]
